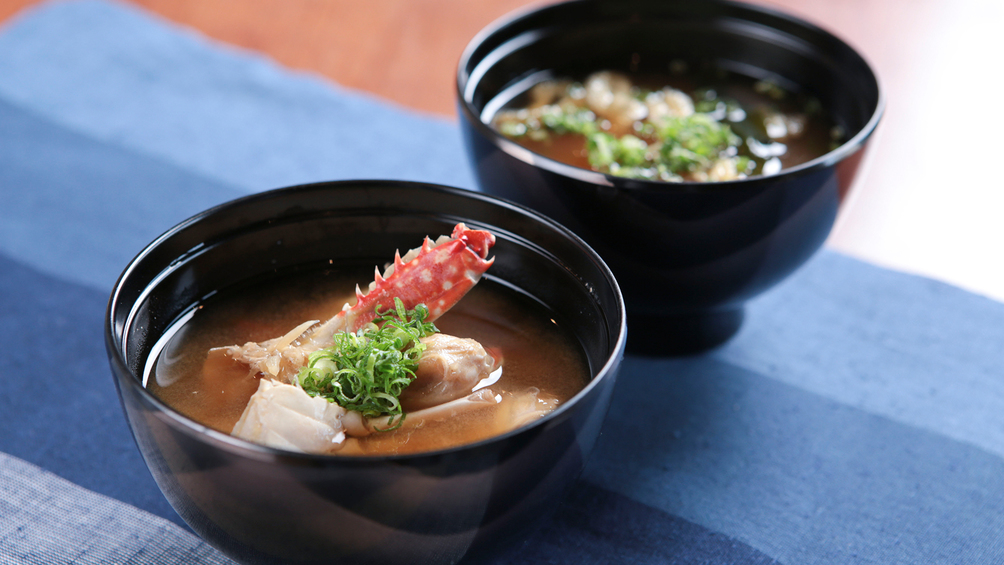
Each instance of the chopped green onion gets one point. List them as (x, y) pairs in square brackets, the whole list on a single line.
[(571, 119), (367, 371), (662, 147)]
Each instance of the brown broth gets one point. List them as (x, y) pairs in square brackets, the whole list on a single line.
[(535, 351)]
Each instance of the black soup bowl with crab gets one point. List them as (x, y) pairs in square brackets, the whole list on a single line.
[(702, 147), (435, 411)]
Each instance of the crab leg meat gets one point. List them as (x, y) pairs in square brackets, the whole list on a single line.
[(437, 274)]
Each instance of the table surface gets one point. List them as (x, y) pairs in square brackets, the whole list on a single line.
[(855, 417), (928, 200)]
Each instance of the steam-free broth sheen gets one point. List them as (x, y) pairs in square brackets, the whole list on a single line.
[(535, 353)]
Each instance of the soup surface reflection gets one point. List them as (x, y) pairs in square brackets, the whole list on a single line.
[(541, 363)]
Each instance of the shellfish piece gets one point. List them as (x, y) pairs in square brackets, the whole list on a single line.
[(496, 412), (285, 417), (668, 102), (610, 95), (437, 274), (449, 368), (439, 413)]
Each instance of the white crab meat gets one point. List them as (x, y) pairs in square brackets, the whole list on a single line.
[(284, 416), (510, 409), (449, 368), (610, 96), (547, 93), (279, 358), (668, 103), (480, 415)]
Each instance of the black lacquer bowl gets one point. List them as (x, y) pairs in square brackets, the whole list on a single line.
[(263, 505), (687, 255)]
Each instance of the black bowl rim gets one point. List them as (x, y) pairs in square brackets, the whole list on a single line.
[(534, 159), (114, 343)]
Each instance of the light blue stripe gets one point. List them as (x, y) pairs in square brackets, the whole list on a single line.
[(81, 210), (905, 347), (116, 74)]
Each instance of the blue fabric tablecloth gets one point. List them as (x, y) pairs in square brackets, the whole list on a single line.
[(858, 417)]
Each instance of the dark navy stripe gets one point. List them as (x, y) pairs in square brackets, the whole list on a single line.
[(58, 406), (596, 526)]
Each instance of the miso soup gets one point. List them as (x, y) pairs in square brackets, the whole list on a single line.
[(707, 127), (540, 363)]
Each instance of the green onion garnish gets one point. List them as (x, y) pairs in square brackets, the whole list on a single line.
[(368, 370)]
